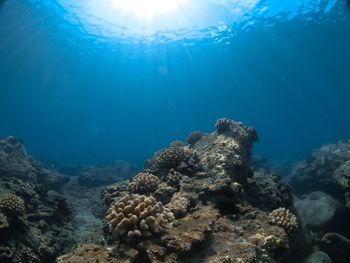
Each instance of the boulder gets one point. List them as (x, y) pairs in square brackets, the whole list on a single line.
[(320, 211)]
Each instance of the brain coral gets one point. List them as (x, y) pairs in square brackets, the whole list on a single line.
[(284, 218), (143, 183), (12, 205), (135, 216)]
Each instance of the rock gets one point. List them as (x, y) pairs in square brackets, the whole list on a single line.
[(318, 257), (89, 253), (342, 176), (318, 171), (15, 162), (320, 211), (268, 192), (106, 175), (179, 205), (336, 246)]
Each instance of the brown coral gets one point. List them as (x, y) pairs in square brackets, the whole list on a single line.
[(284, 218), (12, 205), (136, 216), (143, 183)]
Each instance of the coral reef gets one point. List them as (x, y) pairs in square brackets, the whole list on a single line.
[(194, 137), (222, 125), (268, 192), (15, 162), (137, 216), (284, 218), (218, 208), (108, 174), (183, 160), (143, 183), (35, 220)]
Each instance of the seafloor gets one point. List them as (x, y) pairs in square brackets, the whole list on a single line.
[(206, 200)]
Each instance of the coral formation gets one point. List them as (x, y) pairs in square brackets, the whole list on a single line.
[(222, 125), (268, 191), (44, 227), (143, 183), (12, 205), (218, 208), (178, 159), (194, 137), (284, 218), (134, 217)]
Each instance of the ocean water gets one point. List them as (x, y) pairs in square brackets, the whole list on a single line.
[(91, 81)]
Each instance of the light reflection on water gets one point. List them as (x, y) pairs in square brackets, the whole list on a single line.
[(217, 20)]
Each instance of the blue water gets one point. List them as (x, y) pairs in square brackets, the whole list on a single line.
[(80, 84)]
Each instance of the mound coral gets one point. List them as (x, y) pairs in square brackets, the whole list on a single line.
[(143, 183), (136, 216), (284, 218), (172, 158), (194, 137), (12, 205)]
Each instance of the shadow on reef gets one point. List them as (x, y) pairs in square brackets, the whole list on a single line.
[(199, 202)]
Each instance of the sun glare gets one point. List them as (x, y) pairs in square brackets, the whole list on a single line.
[(147, 9)]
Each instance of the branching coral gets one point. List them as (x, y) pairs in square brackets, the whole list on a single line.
[(12, 205), (284, 218), (135, 216), (143, 183)]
